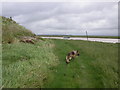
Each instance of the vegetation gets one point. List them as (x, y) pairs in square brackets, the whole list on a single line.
[(11, 31), (27, 65), (43, 65), (96, 67), (0, 52)]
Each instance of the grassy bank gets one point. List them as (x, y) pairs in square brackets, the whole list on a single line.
[(12, 31), (43, 65), (27, 65)]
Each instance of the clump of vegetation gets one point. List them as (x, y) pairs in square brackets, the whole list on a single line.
[(24, 64), (11, 31), (27, 65)]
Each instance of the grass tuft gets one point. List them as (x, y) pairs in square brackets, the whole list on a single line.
[(27, 65)]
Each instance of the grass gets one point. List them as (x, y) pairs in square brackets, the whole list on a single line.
[(11, 31), (0, 52), (43, 65), (96, 67), (27, 65)]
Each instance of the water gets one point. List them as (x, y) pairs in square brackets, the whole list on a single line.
[(106, 40)]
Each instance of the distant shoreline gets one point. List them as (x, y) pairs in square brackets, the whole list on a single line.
[(113, 37), (107, 40)]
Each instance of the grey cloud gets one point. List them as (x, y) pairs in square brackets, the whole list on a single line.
[(71, 18), (15, 9)]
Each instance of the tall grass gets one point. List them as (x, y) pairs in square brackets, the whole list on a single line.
[(11, 31), (0, 52), (43, 65), (27, 65)]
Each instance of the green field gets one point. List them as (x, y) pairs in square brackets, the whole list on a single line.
[(42, 65)]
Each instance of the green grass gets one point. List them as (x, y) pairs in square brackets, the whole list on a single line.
[(43, 65), (11, 31), (0, 53), (96, 67), (27, 65)]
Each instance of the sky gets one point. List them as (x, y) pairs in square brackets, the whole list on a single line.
[(70, 18)]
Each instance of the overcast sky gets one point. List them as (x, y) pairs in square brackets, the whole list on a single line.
[(98, 18)]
